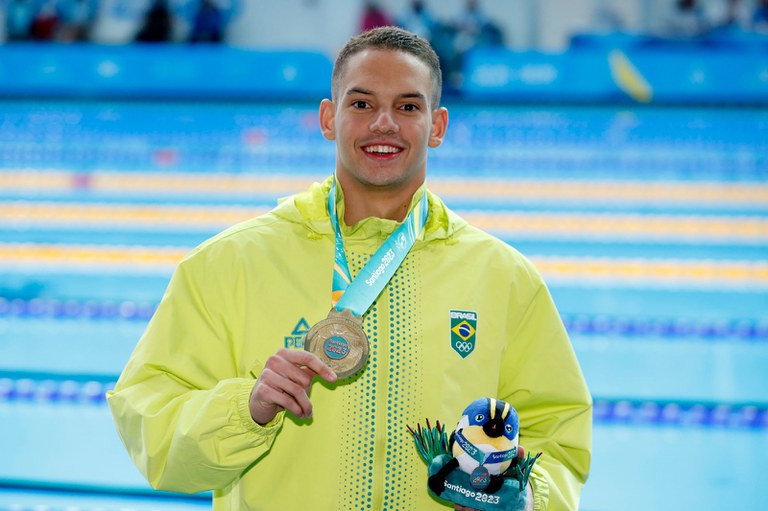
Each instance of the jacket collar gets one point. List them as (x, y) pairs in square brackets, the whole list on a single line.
[(309, 208)]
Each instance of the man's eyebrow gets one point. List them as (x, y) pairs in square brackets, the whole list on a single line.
[(413, 95), (359, 90), (404, 95)]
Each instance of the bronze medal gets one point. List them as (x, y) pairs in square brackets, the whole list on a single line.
[(340, 341)]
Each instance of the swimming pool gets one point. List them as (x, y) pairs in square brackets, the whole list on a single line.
[(649, 224)]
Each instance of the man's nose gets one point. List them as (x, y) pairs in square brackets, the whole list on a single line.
[(384, 122)]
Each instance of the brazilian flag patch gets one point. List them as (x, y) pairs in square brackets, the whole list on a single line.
[(463, 332)]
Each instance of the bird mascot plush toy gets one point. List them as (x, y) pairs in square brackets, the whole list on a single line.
[(479, 465)]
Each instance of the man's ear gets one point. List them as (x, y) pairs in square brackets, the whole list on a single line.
[(439, 126), (327, 117)]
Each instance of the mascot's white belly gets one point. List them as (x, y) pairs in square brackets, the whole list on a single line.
[(477, 437), (468, 464)]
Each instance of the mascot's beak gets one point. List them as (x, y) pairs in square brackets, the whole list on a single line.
[(494, 428)]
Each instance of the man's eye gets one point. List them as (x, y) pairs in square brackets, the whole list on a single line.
[(359, 104), (410, 107)]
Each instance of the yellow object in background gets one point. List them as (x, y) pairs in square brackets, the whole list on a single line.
[(628, 78)]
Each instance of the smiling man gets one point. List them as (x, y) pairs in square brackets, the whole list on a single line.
[(427, 313), (384, 115)]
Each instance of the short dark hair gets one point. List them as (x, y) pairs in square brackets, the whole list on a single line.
[(394, 39)]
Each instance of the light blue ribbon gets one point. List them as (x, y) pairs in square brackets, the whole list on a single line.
[(357, 295)]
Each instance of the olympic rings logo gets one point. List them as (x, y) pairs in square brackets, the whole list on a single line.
[(463, 347)]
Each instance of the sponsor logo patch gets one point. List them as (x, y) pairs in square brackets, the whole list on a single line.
[(296, 339), (463, 332)]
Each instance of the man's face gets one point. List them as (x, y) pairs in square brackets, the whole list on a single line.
[(382, 121)]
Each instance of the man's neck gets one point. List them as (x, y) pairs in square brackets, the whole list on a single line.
[(354, 212), (364, 202)]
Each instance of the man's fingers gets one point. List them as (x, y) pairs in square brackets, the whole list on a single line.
[(299, 366), (310, 361), (274, 391), (284, 383)]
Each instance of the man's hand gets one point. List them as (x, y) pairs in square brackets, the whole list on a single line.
[(284, 385)]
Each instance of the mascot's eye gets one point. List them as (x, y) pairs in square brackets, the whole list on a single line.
[(508, 428), (479, 417)]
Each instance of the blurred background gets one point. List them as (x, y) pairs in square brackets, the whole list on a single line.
[(622, 145)]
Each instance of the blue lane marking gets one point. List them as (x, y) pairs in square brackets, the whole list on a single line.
[(91, 309), (581, 324), (52, 390), (687, 414), (669, 328)]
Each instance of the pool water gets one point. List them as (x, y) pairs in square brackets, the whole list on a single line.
[(649, 224)]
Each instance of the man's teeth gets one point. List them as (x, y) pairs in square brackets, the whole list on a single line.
[(381, 149)]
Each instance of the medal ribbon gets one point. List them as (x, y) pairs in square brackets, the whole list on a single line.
[(357, 295), (480, 456)]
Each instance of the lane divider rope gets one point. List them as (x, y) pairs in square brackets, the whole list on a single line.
[(50, 392), (589, 270), (566, 225), (613, 191), (576, 324)]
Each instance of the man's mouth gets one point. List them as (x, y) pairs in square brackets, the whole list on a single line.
[(381, 149)]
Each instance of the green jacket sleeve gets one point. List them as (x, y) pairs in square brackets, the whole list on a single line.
[(545, 383), (180, 406)]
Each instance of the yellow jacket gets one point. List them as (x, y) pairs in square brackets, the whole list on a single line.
[(181, 404)]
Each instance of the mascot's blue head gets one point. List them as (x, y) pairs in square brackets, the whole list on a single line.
[(496, 417), (490, 427)]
